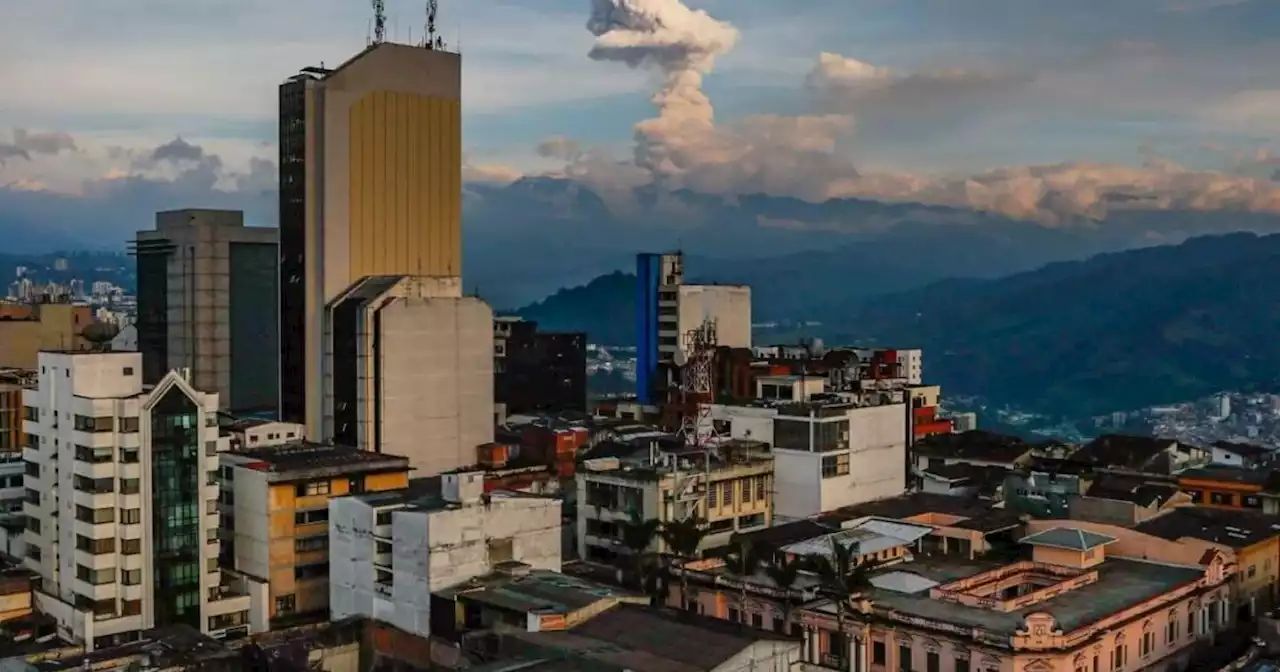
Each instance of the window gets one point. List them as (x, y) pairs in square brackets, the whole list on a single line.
[(1171, 631), (962, 665), (1148, 643), (757, 620), (31, 413), (33, 551), (131, 546), (128, 370), (95, 546), (84, 423), (308, 544), (31, 469), (713, 496), (1251, 502), (904, 658), (94, 485), (762, 484), (932, 663), (96, 577), (131, 577), (130, 516), (285, 604), (131, 607), (95, 455), (85, 514), (384, 518), (130, 486), (129, 455), (1253, 569), (1117, 657), (734, 616), (835, 465), (500, 550), (33, 524), (312, 571), (728, 492), (308, 517), (1220, 498), (313, 488)]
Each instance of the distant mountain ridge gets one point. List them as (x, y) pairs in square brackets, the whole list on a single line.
[(1117, 331)]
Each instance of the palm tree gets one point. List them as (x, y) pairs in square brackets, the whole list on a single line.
[(638, 535), (742, 561), (843, 578), (683, 538), (784, 571)]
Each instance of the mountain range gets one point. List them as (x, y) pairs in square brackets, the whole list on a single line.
[(805, 261), (1117, 331)]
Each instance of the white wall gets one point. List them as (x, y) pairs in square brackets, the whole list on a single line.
[(437, 381), (877, 467), (747, 422), (728, 305)]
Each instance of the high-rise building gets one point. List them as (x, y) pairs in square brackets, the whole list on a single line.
[(409, 371), (538, 371), (207, 303), (668, 309), (122, 494), (370, 184)]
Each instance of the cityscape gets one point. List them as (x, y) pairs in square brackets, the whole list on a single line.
[(318, 440)]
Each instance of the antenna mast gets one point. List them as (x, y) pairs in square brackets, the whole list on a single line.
[(433, 39), (379, 21)]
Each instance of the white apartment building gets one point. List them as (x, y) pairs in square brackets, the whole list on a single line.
[(121, 487), (827, 453), (390, 551)]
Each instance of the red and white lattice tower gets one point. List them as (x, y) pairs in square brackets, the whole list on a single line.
[(698, 355)]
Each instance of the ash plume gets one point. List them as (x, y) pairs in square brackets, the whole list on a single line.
[(679, 43)]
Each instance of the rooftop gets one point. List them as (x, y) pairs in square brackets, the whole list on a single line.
[(647, 639), (1140, 491), (867, 536), (1248, 450), (1124, 452), (1227, 473), (974, 446), (1235, 529), (1069, 538), (1120, 583), (304, 459), (166, 647), (537, 591)]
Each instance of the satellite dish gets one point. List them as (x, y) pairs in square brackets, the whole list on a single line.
[(100, 335)]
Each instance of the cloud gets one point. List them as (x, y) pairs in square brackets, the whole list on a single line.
[(489, 173), (26, 143), (177, 150), (559, 147), (843, 83)]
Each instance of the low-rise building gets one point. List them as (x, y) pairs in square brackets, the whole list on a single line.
[(1228, 487), (1140, 454), (391, 551), (274, 505), (1234, 454), (1068, 605), (729, 487)]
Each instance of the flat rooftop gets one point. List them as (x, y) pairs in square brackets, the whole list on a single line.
[(537, 591), (305, 459), (1121, 583), (166, 647)]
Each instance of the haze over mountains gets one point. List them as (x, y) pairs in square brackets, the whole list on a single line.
[(1118, 331), (804, 260)]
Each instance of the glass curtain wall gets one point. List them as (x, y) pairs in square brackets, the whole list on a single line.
[(176, 466)]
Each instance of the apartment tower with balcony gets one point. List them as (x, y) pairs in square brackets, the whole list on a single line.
[(121, 487)]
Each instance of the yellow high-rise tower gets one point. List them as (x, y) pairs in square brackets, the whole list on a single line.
[(370, 185)]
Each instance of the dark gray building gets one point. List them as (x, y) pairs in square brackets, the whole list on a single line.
[(207, 301)]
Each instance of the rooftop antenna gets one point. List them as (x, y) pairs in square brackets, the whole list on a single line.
[(433, 40), (379, 21)]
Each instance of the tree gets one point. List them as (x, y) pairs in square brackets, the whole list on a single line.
[(638, 534), (742, 561), (683, 537), (843, 578), (784, 572)]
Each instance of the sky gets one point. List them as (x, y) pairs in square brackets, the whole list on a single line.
[(1042, 110)]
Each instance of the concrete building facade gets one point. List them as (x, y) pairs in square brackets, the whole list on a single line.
[(730, 488), (28, 328), (207, 303), (274, 505), (409, 371), (391, 551), (122, 503), (370, 184), (668, 309)]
